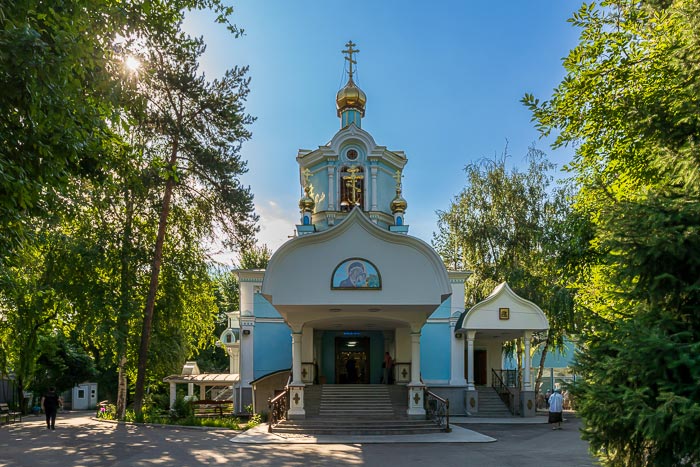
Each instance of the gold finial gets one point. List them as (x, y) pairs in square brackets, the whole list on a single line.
[(398, 176), (306, 174), (398, 204), (350, 51), (307, 203)]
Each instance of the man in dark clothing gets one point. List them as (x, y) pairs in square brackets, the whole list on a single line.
[(51, 402)]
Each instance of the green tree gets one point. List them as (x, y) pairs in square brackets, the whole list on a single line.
[(628, 104), (61, 364), (36, 292), (212, 358), (81, 168), (508, 225), (195, 129), (58, 97)]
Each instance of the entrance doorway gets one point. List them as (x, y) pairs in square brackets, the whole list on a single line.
[(480, 367), (352, 357)]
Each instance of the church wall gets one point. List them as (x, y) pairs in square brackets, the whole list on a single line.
[(457, 298), (247, 289), (386, 188), (263, 308), (328, 356), (408, 274), (435, 353), (307, 345), (494, 351), (443, 311), (272, 349), (523, 314), (403, 345)]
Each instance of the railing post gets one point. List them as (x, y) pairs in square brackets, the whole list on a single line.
[(270, 415), (447, 416)]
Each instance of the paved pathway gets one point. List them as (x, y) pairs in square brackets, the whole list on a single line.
[(81, 441)]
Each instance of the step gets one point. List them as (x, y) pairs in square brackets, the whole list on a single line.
[(356, 427)]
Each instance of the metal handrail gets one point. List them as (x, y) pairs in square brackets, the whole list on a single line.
[(278, 406), (503, 391), (437, 409)]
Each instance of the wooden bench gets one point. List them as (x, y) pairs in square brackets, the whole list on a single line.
[(211, 408), (7, 414)]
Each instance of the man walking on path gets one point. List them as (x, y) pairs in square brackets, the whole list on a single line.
[(51, 402), (556, 404)]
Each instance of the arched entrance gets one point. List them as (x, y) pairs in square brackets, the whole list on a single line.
[(501, 317)]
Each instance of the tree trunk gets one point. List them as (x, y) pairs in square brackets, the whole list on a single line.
[(125, 308), (121, 388), (20, 394), (139, 391), (540, 370)]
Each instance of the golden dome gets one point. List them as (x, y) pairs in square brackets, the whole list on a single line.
[(398, 204), (307, 203), (351, 97)]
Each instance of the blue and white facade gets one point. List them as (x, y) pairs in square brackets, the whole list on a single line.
[(353, 285)]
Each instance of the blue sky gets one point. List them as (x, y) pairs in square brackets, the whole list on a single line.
[(443, 81)]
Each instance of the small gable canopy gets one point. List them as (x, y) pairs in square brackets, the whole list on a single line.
[(503, 310)]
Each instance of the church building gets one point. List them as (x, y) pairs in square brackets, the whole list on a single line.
[(354, 285)]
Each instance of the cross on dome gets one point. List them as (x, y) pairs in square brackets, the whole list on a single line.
[(350, 100), (349, 51)]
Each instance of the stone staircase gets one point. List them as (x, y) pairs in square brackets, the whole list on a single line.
[(356, 409), (490, 403), (356, 401)]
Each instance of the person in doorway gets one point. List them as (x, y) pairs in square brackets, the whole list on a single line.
[(351, 368), (556, 406), (388, 366), (50, 402)]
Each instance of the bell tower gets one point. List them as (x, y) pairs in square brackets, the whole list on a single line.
[(351, 171)]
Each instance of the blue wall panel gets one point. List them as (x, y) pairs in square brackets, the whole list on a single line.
[(443, 311), (435, 351), (262, 308), (272, 348)]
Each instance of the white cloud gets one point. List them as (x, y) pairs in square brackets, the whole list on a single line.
[(276, 224), (276, 227)]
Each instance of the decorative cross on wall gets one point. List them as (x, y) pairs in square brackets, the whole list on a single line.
[(351, 183)]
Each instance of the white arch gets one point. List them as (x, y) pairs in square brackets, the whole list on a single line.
[(414, 279), (353, 134), (522, 314)]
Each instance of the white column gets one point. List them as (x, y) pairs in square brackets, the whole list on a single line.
[(527, 386), (202, 392), (247, 352), (173, 395), (415, 387), (331, 190), (415, 358), (296, 359), (457, 361), (470, 359), (296, 387), (190, 389), (374, 188), (234, 361)]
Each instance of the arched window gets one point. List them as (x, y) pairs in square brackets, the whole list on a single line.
[(352, 187)]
